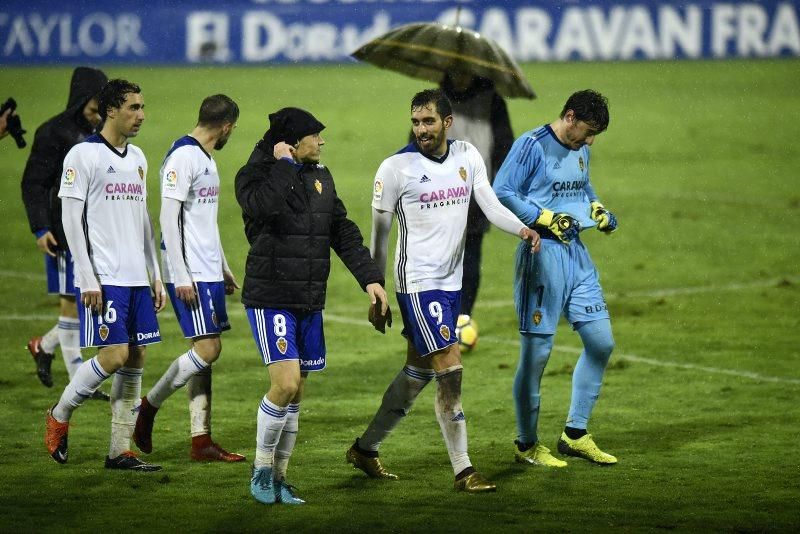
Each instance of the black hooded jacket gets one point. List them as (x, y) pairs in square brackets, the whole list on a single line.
[(293, 217), (53, 139)]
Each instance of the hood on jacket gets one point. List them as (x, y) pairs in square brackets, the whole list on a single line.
[(86, 83)]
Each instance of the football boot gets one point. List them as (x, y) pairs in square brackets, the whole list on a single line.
[(584, 447), (537, 454), (128, 460), (262, 487), (55, 437), (43, 361), (474, 483), (286, 493), (371, 465)]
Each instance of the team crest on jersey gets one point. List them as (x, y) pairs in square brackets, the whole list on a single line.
[(580, 162), (171, 179), (103, 331), (282, 345), (462, 172), (445, 332), (141, 173), (69, 177), (378, 192), (318, 186), (537, 317)]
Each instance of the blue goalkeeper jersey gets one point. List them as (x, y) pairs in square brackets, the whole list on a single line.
[(540, 172)]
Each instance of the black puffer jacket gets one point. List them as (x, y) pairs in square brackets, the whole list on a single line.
[(53, 139), (293, 217)]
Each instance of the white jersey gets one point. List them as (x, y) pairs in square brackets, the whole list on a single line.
[(430, 198), (113, 186), (189, 174)]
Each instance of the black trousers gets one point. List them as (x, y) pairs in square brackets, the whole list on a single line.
[(472, 271)]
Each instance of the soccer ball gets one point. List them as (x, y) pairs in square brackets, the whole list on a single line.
[(466, 332)]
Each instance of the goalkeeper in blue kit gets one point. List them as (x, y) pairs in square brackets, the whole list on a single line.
[(545, 182)]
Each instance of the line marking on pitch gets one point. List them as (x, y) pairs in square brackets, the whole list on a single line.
[(659, 363), (670, 292), (334, 318)]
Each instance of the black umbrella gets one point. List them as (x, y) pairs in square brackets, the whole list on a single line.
[(430, 50)]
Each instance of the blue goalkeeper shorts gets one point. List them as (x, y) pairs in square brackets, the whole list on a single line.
[(560, 279)]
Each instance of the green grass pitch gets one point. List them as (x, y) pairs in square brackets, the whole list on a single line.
[(700, 164)]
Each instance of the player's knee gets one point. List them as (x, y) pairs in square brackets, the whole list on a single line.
[(67, 307), (284, 389), (113, 358), (208, 348), (597, 338)]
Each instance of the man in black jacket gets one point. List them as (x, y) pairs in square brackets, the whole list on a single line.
[(40, 183), (293, 217)]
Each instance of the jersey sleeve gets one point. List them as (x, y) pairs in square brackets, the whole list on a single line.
[(177, 175), (76, 172), (386, 187), (480, 177)]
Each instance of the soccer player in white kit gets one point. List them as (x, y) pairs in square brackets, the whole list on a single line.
[(196, 274), (427, 185), (104, 197)]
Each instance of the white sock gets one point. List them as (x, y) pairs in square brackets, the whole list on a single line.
[(87, 379), (285, 446), (451, 416), (396, 404), (125, 392), (199, 389), (179, 372), (69, 338), (271, 420), (50, 340)]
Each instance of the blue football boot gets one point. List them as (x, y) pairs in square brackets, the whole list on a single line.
[(286, 493), (261, 485)]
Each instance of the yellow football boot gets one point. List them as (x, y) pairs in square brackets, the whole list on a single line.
[(474, 483), (371, 466), (584, 447), (538, 455)]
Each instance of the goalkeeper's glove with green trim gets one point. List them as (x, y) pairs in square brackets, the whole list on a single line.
[(562, 225), (606, 221)]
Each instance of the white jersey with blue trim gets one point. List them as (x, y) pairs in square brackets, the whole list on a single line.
[(547, 174), (113, 185), (189, 175), (430, 198)]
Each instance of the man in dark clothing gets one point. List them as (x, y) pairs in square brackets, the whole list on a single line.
[(481, 118), (293, 217), (40, 183)]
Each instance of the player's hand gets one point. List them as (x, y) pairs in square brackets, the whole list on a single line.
[(379, 313), (606, 221), (93, 300), (230, 282), (159, 296), (526, 234), (46, 242), (187, 295), (563, 225), (4, 123), (283, 150)]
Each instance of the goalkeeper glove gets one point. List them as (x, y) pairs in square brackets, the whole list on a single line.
[(606, 222), (562, 225)]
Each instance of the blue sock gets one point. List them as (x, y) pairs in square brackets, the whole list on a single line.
[(588, 375), (533, 355)]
